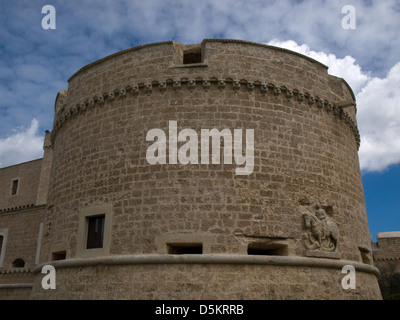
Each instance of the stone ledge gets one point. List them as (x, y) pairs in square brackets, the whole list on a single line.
[(322, 254), (389, 234), (190, 65), (209, 259), (28, 207), (15, 270), (16, 286)]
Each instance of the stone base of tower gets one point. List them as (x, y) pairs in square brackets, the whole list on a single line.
[(206, 277)]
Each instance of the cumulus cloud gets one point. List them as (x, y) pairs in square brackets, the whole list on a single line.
[(379, 121), (35, 63), (345, 68), (378, 104), (24, 144)]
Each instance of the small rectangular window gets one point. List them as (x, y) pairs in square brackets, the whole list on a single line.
[(14, 187), (95, 232), (185, 248), (365, 256), (192, 54), (267, 249), (60, 255)]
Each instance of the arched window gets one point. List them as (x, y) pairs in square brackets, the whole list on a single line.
[(18, 263)]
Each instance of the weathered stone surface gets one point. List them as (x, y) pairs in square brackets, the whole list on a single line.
[(305, 155)]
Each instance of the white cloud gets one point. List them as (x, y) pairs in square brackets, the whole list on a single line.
[(345, 68), (379, 121), (35, 63), (378, 105), (23, 145)]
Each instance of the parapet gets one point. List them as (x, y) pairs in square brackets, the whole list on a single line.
[(234, 64), (390, 234)]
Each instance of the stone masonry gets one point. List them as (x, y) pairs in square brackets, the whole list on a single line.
[(22, 211), (172, 230), (386, 251)]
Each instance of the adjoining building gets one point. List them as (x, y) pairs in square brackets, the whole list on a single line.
[(133, 211), (386, 251), (23, 195)]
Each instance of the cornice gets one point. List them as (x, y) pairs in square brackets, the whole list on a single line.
[(148, 88), (25, 207), (15, 270), (233, 259)]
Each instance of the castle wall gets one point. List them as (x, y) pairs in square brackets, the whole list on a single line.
[(305, 157), (20, 230), (21, 216), (239, 280), (27, 174), (386, 251)]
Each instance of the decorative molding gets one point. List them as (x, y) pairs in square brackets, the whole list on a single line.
[(16, 286), (386, 259), (252, 87), (20, 208), (234, 259), (15, 270)]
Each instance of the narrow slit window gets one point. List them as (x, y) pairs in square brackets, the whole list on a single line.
[(14, 187), (95, 234), (1, 243)]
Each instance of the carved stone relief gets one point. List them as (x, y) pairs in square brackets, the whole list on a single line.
[(321, 235)]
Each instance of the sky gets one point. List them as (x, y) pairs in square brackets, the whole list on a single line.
[(358, 40)]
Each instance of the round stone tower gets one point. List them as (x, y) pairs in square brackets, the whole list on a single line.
[(224, 170)]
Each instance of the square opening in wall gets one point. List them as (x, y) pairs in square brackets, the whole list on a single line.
[(365, 256), (192, 54), (60, 255), (267, 249), (185, 248)]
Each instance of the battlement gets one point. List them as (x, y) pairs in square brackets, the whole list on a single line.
[(386, 235), (197, 50), (386, 251), (217, 58)]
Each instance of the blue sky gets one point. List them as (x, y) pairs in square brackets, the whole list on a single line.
[(36, 63)]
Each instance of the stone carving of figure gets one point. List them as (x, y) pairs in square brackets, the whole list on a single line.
[(321, 234)]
